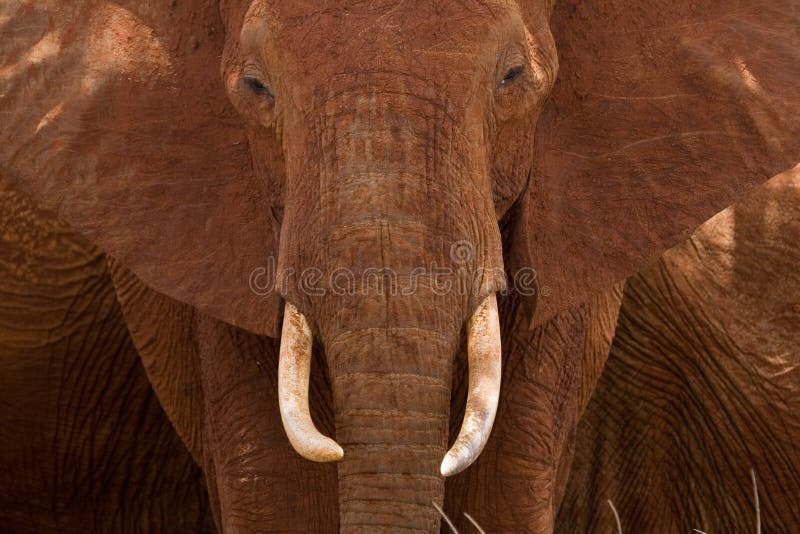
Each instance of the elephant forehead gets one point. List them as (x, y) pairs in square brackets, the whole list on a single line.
[(439, 42)]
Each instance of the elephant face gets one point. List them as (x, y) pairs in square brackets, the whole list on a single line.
[(397, 151), (426, 128)]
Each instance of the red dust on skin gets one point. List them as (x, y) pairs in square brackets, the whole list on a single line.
[(359, 135)]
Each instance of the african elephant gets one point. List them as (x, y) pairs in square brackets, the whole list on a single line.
[(361, 179), (700, 389), (84, 444)]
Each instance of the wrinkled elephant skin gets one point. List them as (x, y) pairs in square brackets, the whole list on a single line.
[(85, 446), (387, 173), (701, 384)]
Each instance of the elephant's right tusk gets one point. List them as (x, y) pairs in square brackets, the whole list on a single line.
[(484, 357), (294, 371)]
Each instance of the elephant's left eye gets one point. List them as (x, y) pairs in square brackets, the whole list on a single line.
[(257, 86), (512, 74)]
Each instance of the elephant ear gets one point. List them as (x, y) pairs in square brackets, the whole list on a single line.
[(114, 114), (664, 113)]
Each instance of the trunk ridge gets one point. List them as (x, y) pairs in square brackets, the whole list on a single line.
[(391, 399)]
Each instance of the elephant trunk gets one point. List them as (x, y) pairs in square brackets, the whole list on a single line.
[(391, 391), (395, 285)]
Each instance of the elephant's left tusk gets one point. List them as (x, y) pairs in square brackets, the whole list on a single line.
[(294, 371), (484, 356)]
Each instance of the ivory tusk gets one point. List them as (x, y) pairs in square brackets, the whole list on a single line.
[(484, 357), (294, 371)]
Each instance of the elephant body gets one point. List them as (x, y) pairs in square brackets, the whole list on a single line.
[(366, 181), (84, 444), (701, 385)]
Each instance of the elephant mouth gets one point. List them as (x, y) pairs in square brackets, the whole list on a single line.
[(484, 360)]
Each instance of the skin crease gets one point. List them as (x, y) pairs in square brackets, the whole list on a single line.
[(701, 384), (85, 446), (196, 140)]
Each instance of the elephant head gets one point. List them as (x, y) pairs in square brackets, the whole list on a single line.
[(381, 142)]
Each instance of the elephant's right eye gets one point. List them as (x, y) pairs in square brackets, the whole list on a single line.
[(257, 87)]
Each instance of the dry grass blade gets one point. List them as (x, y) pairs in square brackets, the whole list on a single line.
[(471, 520), (616, 516), (755, 496), (444, 516)]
